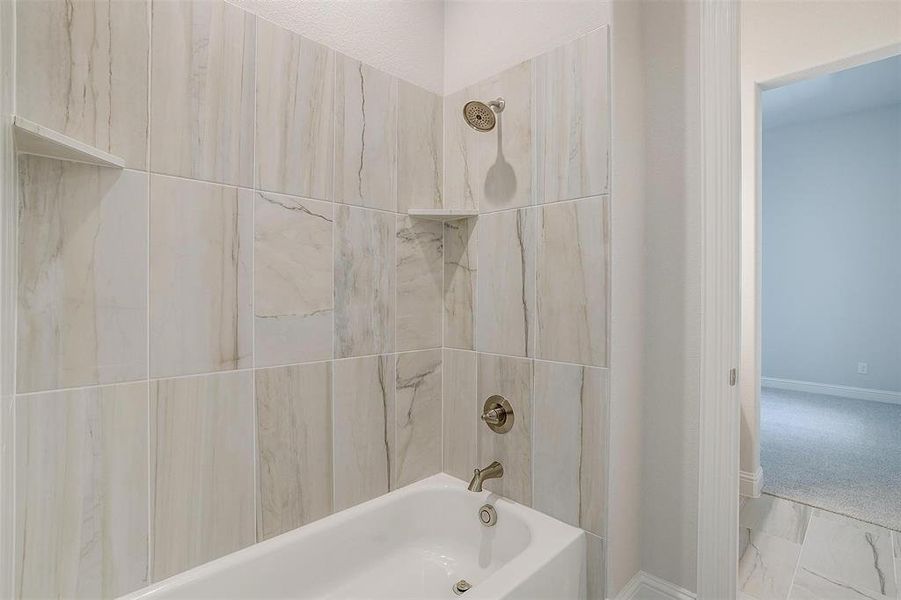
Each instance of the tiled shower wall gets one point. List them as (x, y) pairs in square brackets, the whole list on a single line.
[(238, 333), (241, 332), (526, 286)]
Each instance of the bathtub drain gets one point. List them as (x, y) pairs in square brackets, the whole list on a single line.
[(461, 587)]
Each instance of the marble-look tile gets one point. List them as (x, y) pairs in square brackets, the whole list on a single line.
[(294, 113), (200, 279), (294, 440), (596, 561), (572, 120), (461, 153), (460, 263), (420, 160), (82, 293), (896, 539), (201, 431), (418, 432), (293, 280), (512, 379), (506, 283), (505, 155), (419, 283), (571, 282), (851, 552), (364, 427), (461, 412), (82, 492), (364, 282), (491, 170), (809, 585), (569, 452), (766, 564), (365, 135), (201, 91), (82, 70), (775, 516)]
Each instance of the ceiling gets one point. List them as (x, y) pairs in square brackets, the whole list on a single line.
[(869, 86)]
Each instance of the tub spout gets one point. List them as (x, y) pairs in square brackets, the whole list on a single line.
[(493, 471)]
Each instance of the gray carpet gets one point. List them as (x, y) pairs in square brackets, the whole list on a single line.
[(840, 454)]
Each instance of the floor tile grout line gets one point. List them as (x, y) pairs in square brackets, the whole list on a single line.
[(791, 583)]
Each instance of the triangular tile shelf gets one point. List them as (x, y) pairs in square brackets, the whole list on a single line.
[(32, 138), (443, 214)]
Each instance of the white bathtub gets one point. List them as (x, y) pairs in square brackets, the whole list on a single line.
[(415, 542)]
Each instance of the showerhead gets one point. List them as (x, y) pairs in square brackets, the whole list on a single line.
[(481, 116)]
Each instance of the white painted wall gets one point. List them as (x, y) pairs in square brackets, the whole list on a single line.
[(672, 292), (627, 307), (484, 37), (441, 46), (402, 37), (778, 40), (831, 232)]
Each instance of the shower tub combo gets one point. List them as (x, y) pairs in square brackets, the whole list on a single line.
[(426, 540)]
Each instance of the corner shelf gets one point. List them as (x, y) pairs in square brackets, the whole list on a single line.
[(443, 214), (32, 138)]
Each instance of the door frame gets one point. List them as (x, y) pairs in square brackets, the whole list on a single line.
[(720, 203)]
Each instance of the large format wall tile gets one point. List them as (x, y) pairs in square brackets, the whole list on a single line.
[(506, 283), (596, 560), (569, 449), (365, 135), (202, 97), (82, 492), (82, 70), (461, 412), (363, 428), (462, 186), (294, 113), (294, 432), (491, 170), (512, 379), (293, 281), (364, 282), (82, 293), (418, 416), (202, 469), (419, 283), (572, 120), (572, 282), (420, 160), (460, 258), (505, 166), (200, 292)]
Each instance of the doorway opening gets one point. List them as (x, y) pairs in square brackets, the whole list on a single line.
[(829, 437)]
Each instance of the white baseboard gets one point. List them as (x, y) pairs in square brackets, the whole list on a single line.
[(844, 391), (644, 586), (750, 485)]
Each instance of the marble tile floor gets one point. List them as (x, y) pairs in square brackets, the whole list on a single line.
[(791, 551)]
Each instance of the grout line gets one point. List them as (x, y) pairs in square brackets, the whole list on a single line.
[(12, 463), (791, 583), (331, 191), (257, 490), (151, 480), (151, 380)]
